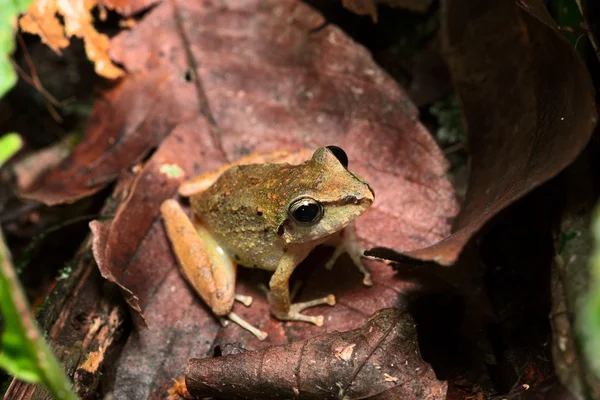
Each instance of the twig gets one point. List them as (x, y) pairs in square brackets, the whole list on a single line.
[(590, 34), (34, 81)]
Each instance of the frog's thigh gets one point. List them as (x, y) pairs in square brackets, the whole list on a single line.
[(205, 266)]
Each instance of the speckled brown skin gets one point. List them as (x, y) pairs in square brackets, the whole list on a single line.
[(241, 216), (246, 209)]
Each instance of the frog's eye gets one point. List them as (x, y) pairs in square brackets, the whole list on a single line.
[(340, 155), (306, 211)]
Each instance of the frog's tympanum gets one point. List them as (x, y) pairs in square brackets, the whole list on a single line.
[(267, 216)]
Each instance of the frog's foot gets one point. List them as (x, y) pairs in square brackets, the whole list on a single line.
[(294, 313), (349, 244), (244, 324)]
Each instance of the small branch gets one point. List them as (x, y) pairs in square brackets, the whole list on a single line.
[(34, 80), (590, 34)]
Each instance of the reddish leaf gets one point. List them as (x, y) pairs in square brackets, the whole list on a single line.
[(381, 355), (42, 19), (180, 325), (126, 124), (330, 92), (528, 105), (270, 84), (408, 157)]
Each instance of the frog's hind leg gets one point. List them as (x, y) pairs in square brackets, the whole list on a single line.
[(348, 243), (204, 264)]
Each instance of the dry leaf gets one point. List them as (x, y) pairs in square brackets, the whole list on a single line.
[(331, 93), (41, 19), (528, 105), (139, 258), (386, 356)]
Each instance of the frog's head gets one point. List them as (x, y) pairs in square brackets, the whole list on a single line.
[(327, 198)]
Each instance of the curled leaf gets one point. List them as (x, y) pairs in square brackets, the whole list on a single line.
[(381, 355), (527, 101)]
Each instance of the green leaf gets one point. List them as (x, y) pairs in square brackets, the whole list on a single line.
[(9, 145), (24, 352), (589, 321), (568, 17), (9, 11)]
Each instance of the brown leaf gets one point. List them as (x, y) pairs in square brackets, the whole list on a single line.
[(528, 105), (382, 355), (31, 167), (271, 83), (331, 92), (362, 7), (180, 325), (430, 76), (41, 19)]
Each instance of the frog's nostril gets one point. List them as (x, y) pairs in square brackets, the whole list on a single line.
[(350, 200)]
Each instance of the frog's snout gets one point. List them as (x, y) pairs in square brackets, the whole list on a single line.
[(372, 197), (367, 194)]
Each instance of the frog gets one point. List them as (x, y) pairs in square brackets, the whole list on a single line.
[(266, 211)]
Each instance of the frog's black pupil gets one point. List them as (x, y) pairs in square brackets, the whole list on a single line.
[(306, 212), (340, 155)]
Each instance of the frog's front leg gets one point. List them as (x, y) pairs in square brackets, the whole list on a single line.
[(347, 242), (279, 295), (204, 265)]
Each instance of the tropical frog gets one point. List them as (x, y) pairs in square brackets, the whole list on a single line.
[(263, 212)]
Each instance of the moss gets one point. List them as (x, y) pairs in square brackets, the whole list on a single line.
[(450, 129)]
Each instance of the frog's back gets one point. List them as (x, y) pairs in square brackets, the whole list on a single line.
[(243, 210)]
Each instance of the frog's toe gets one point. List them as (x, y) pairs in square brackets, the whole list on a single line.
[(297, 307), (317, 319), (245, 300), (350, 244), (244, 324), (294, 313), (297, 316)]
